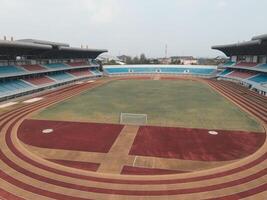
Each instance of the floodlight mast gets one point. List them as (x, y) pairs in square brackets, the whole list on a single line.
[(166, 51)]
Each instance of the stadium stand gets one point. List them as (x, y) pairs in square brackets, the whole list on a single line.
[(33, 67), (225, 72), (251, 68), (30, 78), (261, 78), (246, 64), (56, 65), (11, 87), (229, 63), (116, 70), (262, 66), (96, 72), (79, 73), (40, 81), (77, 64), (178, 70), (242, 74), (10, 70), (61, 77)]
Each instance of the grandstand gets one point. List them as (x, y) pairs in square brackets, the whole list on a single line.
[(248, 63), (28, 66), (195, 70)]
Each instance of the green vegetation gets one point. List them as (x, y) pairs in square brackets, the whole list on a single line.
[(168, 103)]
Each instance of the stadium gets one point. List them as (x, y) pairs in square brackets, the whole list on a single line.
[(74, 129)]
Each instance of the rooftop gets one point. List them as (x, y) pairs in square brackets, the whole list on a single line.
[(33, 49), (256, 46)]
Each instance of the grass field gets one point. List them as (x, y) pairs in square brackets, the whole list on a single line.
[(168, 103)]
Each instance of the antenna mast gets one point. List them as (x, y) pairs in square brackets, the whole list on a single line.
[(166, 51)]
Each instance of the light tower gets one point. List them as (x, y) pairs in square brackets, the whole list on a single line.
[(166, 51)]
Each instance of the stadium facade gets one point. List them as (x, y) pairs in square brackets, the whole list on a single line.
[(28, 66), (248, 63)]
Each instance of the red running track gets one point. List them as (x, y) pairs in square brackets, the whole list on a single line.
[(129, 170), (78, 165)]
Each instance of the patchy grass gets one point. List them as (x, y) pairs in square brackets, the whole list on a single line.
[(167, 103)]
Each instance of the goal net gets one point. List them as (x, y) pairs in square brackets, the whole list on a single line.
[(133, 119)]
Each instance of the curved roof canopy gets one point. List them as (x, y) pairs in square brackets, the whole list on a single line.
[(256, 46), (39, 49)]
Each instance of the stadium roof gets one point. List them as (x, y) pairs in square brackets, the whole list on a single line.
[(44, 42), (39, 49), (256, 46)]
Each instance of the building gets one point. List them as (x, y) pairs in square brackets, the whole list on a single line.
[(184, 60), (165, 61), (248, 63)]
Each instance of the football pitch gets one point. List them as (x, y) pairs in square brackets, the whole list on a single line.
[(181, 103)]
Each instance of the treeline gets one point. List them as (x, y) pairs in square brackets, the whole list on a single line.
[(136, 60)]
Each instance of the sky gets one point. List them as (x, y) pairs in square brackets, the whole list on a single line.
[(132, 27)]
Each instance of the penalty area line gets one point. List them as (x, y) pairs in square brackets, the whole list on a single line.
[(135, 158)]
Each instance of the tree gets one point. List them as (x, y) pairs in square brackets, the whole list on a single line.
[(128, 60), (135, 60), (143, 59), (176, 62), (112, 62)]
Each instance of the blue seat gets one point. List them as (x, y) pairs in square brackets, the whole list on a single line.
[(261, 78), (229, 63), (56, 65), (170, 70), (61, 76), (12, 87), (262, 66), (225, 72), (201, 71), (117, 70), (10, 70), (96, 72)]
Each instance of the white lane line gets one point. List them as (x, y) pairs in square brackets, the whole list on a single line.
[(8, 104), (33, 100), (134, 160)]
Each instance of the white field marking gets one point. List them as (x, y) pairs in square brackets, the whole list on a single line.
[(8, 104), (79, 83), (135, 158), (47, 131), (153, 166), (90, 81), (213, 133), (33, 100), (156, 78)]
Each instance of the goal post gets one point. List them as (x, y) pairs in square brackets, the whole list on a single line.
[(133, 119)]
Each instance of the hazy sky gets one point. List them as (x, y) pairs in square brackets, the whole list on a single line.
[(189, 27)]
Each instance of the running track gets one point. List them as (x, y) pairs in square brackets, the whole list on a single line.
[(25, 176)]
